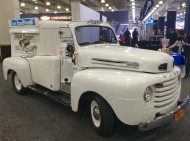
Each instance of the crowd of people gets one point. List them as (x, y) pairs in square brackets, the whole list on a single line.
[(131, 40)]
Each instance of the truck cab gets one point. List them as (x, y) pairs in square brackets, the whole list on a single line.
[(76, 63)]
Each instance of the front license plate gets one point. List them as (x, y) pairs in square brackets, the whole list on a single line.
[(179, 115)]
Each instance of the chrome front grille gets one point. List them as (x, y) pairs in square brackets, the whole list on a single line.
[(167, 94)]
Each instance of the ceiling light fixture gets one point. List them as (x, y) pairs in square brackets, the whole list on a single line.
[(67, 9), (21, 13), (36, 7), (47, 3), (157, 5), (132, 0), (110, 8), (106, 4), (133, 7), (102, 1), (59, 7), (55, 12), (23, 4), (183, 4), (133, 3), (160, 2), (47, 10)]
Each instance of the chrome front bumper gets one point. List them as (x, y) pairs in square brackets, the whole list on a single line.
[(161, 120)]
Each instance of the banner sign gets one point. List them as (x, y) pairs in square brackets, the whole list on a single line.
[(147, 7)]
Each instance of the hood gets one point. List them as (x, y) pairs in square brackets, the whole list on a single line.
[(127, 58)]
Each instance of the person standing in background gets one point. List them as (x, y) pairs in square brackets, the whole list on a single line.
[(127, 34), (135, 37), (185, 41), (159, 32), (172, 39)]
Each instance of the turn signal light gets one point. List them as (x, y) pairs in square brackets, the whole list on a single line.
[(159, 85)]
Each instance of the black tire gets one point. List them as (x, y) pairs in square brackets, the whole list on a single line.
[(103, 121), (18, 89)]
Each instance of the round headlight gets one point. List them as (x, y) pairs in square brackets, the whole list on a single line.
[(148, 93)]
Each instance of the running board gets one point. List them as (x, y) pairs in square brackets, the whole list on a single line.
[(60, 97)]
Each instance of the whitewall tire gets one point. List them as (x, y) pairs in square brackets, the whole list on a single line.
[(17, 84), (102, 116)]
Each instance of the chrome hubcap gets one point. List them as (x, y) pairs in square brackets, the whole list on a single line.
[(95, 113), (17, 82)]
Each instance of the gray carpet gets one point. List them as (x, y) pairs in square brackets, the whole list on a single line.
[(37, 118)]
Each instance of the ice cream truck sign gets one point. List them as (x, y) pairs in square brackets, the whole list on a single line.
[(21, 40)]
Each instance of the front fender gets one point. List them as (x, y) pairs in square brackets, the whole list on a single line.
[(110, 83), (123, 90), (21, 66)]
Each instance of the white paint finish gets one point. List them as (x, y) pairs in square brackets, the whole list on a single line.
[(9, 10), (46, 41), (145, 58), (121, 89), (21, 67), (46, 71), (67, 70)]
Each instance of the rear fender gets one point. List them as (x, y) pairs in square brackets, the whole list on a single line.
[(19, 65)]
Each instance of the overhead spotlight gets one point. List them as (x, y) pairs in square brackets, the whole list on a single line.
[(157, 5), (59, 7), (133, 3), (160, 2), (47, 10), (23, 4), (183, 4), (21, 13), (110, 8), (106, 4), (102, 1), (181, 13), (34, 0), (133, 7), (55, 12), (67, 9), (177, 15), (47, 3), (36, 7), (132, 0)]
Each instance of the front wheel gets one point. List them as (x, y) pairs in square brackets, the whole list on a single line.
[(17, 84), (102, 116)]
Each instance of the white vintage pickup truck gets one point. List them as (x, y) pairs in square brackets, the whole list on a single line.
[(81, 63)]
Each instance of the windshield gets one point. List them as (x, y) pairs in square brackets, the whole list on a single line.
[(94, 35)]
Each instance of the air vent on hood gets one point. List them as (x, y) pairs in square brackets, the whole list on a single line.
[(163, 67)]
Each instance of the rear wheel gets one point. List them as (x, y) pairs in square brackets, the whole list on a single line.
[(102, 116), (17, 84)]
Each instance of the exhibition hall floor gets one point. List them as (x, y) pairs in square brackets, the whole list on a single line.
[(34, 117)]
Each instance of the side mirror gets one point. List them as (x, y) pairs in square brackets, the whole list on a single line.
[(70, 48)]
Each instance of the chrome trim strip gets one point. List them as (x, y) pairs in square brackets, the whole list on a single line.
[(161, 120), (108, 60)]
